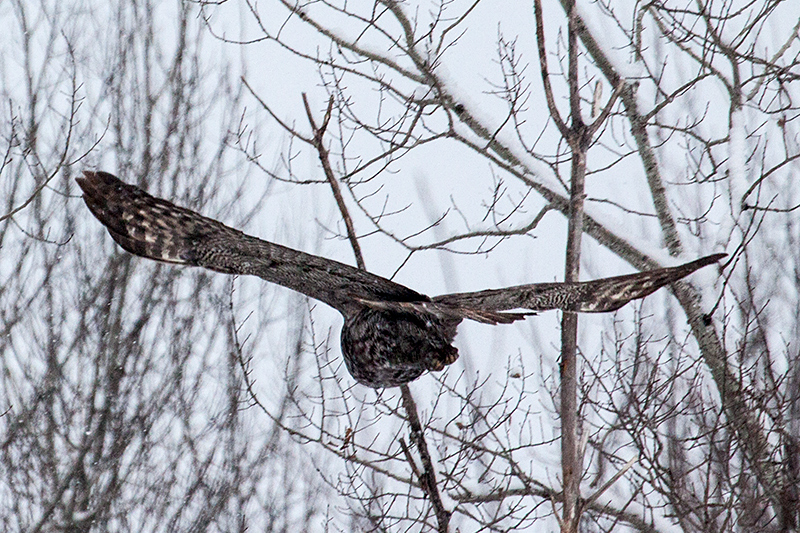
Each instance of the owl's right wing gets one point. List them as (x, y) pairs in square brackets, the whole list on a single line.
[(597, 296), (157, 229)]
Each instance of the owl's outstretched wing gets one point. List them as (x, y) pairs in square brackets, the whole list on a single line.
[(597, 296), (157, 229)]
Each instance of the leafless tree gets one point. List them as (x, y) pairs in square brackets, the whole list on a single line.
[(141, 397), (122, 405)]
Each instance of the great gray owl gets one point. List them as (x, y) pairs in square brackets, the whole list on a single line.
[(391, 334)]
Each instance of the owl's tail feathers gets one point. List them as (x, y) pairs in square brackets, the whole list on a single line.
[(142, 224)]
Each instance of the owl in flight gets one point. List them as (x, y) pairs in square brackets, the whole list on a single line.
[(391, 334)]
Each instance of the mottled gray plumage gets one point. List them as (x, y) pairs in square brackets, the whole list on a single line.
[(391, 334)]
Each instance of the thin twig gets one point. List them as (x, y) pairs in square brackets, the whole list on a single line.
[(548, 90), (427, 477), (319, 144), (593, 498)]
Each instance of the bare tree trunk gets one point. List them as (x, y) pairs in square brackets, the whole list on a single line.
[(571, 454)]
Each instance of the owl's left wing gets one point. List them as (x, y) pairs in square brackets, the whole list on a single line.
[(157, 229)]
